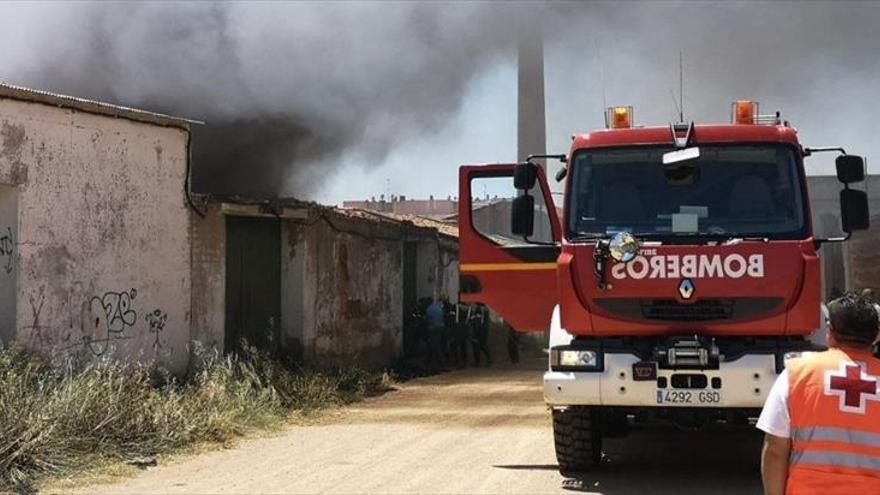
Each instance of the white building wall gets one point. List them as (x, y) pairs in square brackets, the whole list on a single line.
[(208, 260), (103, 248)]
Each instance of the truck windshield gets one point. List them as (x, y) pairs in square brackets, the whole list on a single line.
[(730, 191)]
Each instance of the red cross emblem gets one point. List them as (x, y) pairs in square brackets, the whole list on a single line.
[(853, 386)]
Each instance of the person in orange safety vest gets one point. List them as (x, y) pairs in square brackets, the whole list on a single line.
[(822, 416)]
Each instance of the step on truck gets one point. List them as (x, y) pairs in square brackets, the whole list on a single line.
[(676, 277)]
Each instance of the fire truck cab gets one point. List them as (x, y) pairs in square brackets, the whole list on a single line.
[(678, 276)]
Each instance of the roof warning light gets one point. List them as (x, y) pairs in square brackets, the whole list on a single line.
[(744, 112), (618, 117)]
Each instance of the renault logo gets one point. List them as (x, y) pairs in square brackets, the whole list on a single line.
[(686, 288)]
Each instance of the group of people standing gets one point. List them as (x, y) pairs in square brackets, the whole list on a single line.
[(453, 333)]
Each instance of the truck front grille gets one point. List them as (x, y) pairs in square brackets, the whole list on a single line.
[(672, 310), (701, 310)]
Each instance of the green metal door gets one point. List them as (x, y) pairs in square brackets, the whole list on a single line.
[(253, 283)]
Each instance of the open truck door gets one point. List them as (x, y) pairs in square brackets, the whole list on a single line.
[(512, 274)]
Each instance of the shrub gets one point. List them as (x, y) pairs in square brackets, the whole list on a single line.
[(59, 419)]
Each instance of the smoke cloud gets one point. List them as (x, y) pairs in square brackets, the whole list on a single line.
[(814, 61), (286, 88), (282, 86)]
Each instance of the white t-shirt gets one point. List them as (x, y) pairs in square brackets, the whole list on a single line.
[(774, 418)]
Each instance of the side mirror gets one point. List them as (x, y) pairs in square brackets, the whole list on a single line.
[(853, 209), (561, 174), (525, 175), (850, 168), (522, 221)]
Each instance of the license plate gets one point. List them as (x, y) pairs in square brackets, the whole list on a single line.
[(688, 397)]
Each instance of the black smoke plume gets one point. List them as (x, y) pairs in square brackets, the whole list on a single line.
[(283, 87), (287, 89)]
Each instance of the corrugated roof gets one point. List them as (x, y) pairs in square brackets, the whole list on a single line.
[(37, 96), (444, 228), (399, 219)]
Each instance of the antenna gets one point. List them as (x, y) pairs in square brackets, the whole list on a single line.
[(601, 76), (681, 87), (675, 102)]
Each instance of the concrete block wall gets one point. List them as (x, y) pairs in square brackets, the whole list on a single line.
[(101, 253), (208, 261)]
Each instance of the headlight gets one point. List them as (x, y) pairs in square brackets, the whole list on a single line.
[(575, 359)]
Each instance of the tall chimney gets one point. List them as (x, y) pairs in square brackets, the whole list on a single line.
[(531, 132)]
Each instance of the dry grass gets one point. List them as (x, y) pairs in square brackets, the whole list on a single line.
[(59, 420)]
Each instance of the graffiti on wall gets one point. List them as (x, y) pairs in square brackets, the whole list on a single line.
[(105, 319), (157, 320), (38, 338), (7, 249)]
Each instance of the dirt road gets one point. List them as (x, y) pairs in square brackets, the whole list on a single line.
[(472, 431)]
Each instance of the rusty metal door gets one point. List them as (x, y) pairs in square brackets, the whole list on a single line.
[(253, 283)]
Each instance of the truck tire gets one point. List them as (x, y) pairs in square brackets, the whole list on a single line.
[(577, 438)]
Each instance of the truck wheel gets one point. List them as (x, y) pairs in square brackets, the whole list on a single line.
[(577, 438)]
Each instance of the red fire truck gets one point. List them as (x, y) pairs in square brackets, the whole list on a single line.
[(682, 274)]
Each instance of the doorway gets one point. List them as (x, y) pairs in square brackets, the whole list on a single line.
[(253, 283)]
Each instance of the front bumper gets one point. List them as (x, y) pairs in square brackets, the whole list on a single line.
[(745, 383)]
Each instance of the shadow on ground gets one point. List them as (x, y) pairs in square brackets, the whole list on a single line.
[(662, 459)]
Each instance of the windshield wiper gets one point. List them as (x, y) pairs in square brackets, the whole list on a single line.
[(737, 239), (677, 237), (588, 236), (700, 237)]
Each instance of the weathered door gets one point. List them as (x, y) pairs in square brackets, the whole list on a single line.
[(516, 277), (8, 261), (253, 283)]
